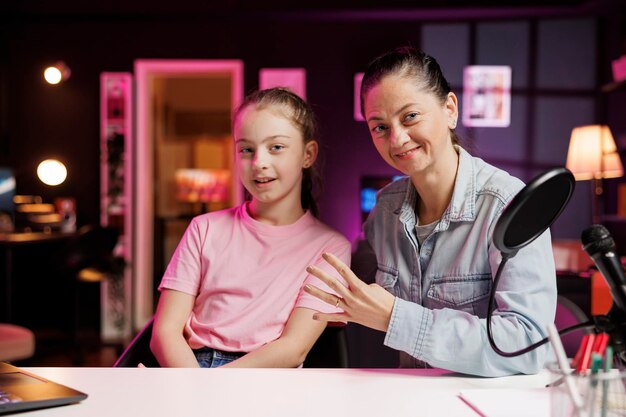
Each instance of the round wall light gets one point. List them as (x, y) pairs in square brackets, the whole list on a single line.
[(56, 73), (51, 172)]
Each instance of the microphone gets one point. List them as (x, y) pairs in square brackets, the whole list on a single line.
[(600, 246)]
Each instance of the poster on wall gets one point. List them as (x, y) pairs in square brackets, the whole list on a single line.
[(487, 96), (292, 78)]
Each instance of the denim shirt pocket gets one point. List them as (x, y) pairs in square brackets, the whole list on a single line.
[(469, 293), (386, 277)]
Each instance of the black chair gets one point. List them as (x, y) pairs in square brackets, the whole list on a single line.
[(138, 350), (87, 259), (569, 314), (330, 350), (367, 347)]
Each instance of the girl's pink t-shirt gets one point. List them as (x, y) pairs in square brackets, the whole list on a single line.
[(248, 276)]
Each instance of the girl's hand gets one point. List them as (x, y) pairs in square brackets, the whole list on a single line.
[(368, 305)]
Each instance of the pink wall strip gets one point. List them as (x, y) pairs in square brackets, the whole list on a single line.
[(358, 77), (143, 200), (292, 78)]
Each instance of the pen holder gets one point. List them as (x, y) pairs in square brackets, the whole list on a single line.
[(602, 394)]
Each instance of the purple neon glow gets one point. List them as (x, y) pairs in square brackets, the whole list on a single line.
[(358, 77), (292, 78)]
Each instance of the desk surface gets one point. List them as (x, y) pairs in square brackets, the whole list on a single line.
[(272, 392)]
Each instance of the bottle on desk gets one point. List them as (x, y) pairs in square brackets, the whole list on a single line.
[(66, 207)]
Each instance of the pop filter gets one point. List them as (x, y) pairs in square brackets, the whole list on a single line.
[(524, 219), (533, 210)]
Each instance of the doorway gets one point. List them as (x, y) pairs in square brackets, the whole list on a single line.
[(184, 159)]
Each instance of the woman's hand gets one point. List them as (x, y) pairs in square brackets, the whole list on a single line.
[(368, 305)]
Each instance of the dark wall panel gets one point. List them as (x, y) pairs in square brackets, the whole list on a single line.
[(62, 121)]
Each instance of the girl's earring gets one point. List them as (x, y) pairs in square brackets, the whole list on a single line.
[(453, 124)]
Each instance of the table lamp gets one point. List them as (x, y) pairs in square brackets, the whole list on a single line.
[(592, 155), (204, 186)]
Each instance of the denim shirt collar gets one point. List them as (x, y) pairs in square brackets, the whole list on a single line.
[(462, 206)]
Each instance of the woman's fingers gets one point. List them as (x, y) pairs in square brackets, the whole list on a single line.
[(329, 280), (369, 305), (337, 317), (331, 299), (353, 281), (344, 270)]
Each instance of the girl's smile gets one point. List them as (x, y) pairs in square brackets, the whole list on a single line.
[(263, 182)]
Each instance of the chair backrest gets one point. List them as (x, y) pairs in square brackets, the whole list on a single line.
[(330, 350), (138, 350), (569, 314)]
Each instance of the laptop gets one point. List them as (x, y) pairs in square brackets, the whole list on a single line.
[(21, 390)]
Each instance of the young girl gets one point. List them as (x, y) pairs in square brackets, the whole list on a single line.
[(232, 293)]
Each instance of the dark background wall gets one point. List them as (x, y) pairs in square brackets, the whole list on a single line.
[(560, 54)]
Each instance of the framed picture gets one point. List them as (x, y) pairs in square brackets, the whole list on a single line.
[(487, 96), (292, 78)]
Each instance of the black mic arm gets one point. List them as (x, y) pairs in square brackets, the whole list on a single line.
[(599, 245)]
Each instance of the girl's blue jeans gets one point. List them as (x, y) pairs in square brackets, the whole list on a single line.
[(212, 358)]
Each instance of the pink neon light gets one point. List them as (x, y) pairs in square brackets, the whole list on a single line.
[(292, 78), (358, 77), (143, 204)]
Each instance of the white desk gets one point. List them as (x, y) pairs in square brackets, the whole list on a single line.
[(119, 392)]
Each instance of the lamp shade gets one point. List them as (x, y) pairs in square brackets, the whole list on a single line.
[(202, 185), (592, 153)]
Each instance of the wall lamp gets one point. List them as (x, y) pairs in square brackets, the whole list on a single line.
[(51, 172), (56, 73)]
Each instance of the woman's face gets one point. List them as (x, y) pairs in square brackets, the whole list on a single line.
[(410, 127)]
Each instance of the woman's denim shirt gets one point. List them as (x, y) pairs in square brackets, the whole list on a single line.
[(442, 288)]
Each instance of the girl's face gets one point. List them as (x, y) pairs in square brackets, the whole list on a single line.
[(271, 154), (410, 127)]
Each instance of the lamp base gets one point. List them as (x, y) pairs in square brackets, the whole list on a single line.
[(596, 200)]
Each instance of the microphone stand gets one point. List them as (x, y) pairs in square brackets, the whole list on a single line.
[(613, 323)]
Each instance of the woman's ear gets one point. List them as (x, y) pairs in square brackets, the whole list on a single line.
[(452, 107), (310, 153)]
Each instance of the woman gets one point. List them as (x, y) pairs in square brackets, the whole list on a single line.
[(432, 237)]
